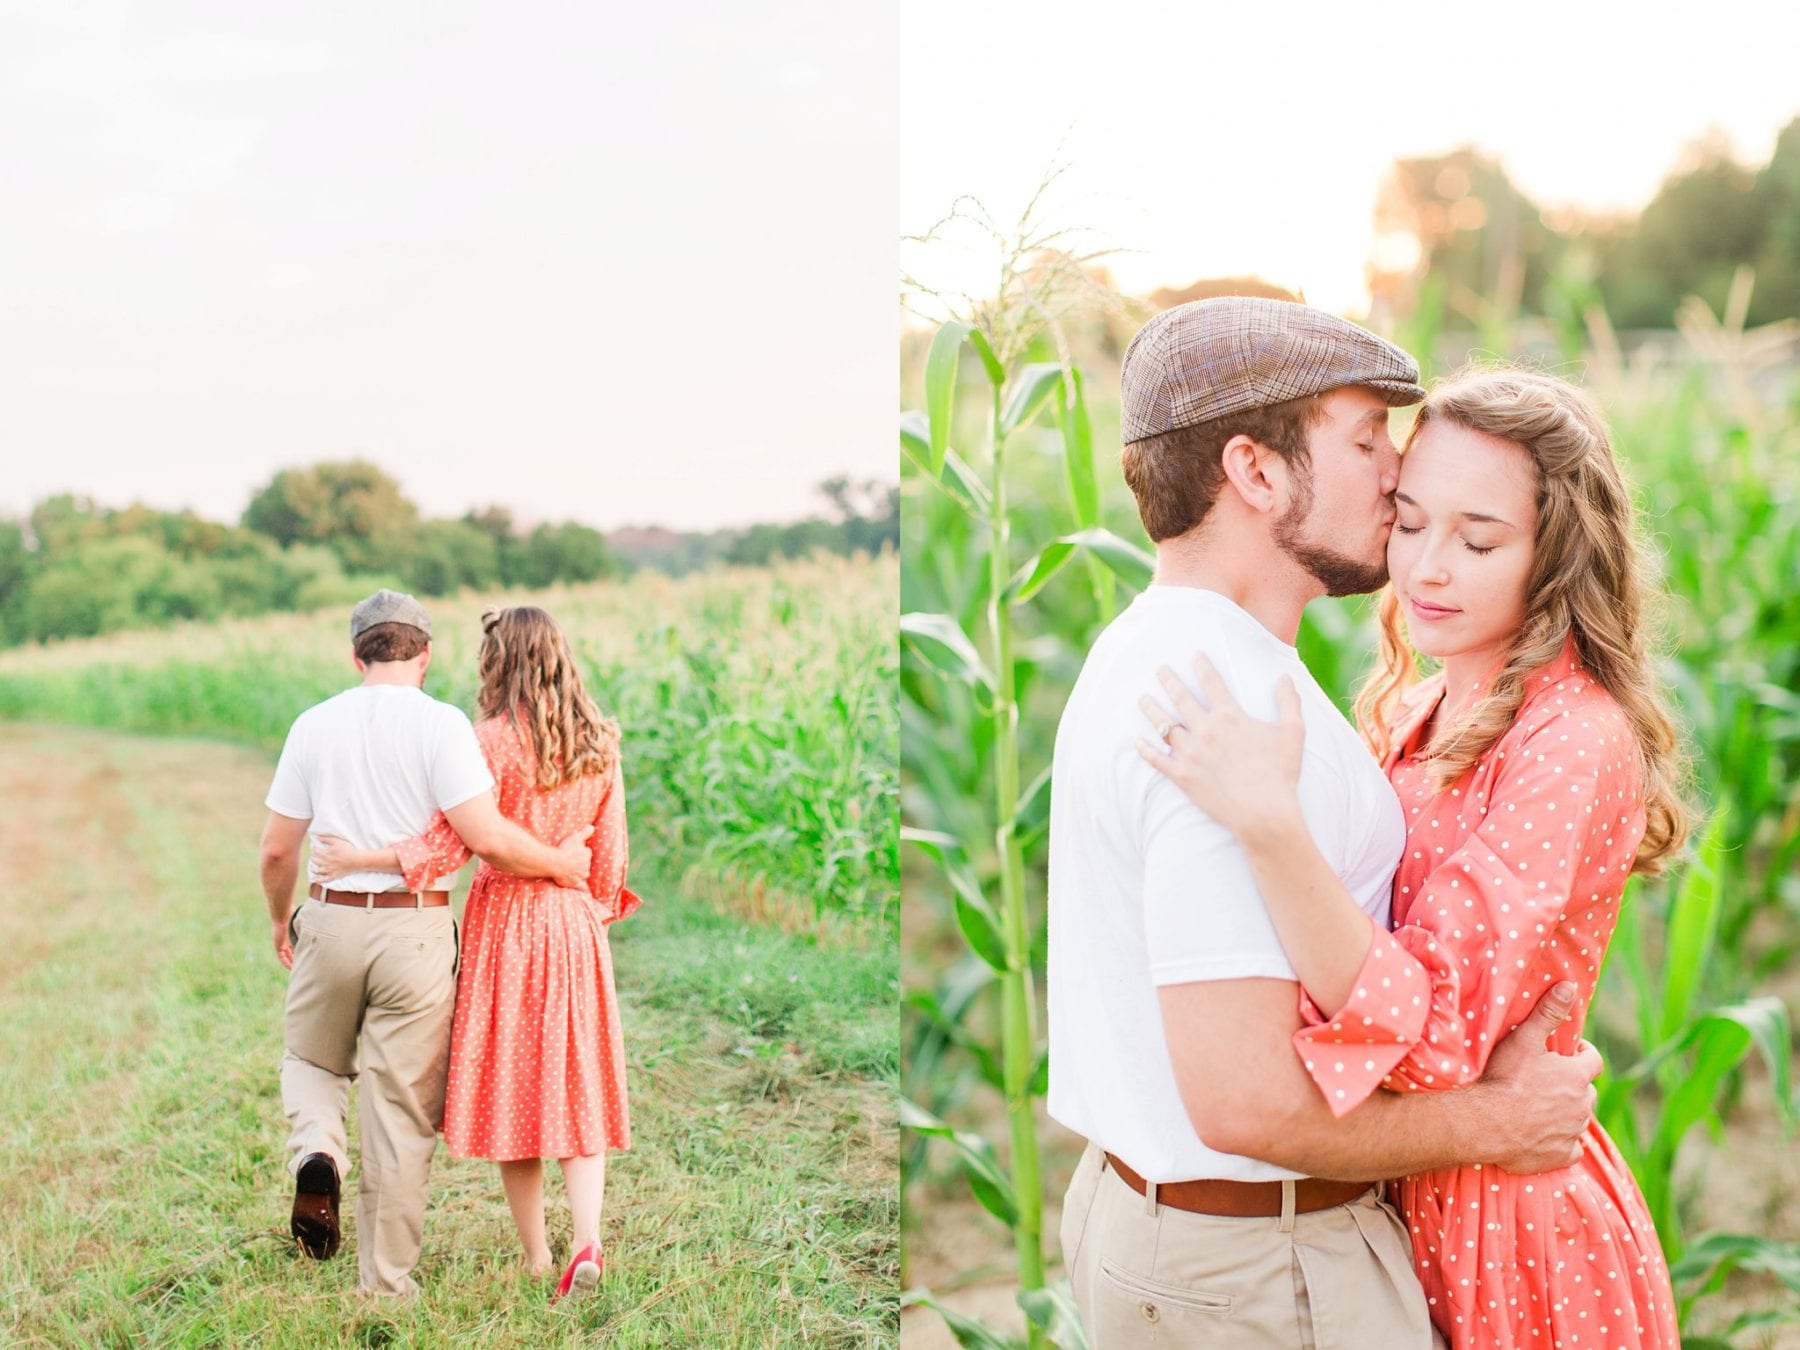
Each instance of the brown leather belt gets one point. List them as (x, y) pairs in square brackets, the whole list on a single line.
[(380, 899), (1243, 1199)]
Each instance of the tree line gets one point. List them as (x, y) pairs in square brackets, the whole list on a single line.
[(331, 533), (1454, 230)]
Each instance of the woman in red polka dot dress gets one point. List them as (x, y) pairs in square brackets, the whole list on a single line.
[(1536, 771), (537, 1058)]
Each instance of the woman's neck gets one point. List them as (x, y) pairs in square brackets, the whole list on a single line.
[(1467, 676)]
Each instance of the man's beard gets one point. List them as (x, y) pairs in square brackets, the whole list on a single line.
[(1337, 573)]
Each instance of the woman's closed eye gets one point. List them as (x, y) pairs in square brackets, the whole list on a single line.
[(1473, 548)]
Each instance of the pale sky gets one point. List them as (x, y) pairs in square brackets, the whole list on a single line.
[(1218, 140), (614, 263)]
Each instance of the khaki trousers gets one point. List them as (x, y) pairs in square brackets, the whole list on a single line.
[(1146, 1274), (373, 989)]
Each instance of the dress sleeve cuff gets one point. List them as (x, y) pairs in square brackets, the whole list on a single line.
[(416, 858), (1349, 1054), (627, 905)]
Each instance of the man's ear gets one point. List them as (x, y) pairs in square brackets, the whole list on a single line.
[(1249, 473), (357, 661)]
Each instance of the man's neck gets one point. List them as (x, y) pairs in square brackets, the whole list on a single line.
[(1263, 582), (392, 672)]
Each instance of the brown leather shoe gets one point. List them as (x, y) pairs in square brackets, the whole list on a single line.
[(315, 1218)]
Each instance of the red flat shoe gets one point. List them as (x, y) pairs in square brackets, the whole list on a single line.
[(583, 1274)]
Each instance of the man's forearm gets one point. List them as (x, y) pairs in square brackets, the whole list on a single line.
[(1390, 1135), (512, 848), (1248, 1093), (280, 873)]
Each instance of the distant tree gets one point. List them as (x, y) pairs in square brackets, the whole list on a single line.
[(840, 492), (1704, 222), (1453, 226), (1458, 219), (452, 554), (313, 577), (496, 522), (65, 522), (125, 582), (868, 513), (754, 547), (812, 535), (566, 552), (17, 565), (880, 526), (1777, 262), (352, 508)]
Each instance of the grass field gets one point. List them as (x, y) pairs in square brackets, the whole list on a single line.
[(144, 1195)]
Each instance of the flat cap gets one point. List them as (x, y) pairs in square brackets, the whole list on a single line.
[(1231, 353), (387, 606)]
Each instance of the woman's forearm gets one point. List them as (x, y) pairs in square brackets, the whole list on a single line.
[(347, 860), (1325, 933)]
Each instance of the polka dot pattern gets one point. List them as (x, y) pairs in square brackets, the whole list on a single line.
[(1510, 882), (537, 1053)]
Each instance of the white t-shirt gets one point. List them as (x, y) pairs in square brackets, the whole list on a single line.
[(373, 765), (1146, 890)]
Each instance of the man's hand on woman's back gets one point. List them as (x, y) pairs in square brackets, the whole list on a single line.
[(577, 860)]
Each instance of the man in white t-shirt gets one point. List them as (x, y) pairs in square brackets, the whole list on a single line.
[(373, 982), (1220, 1202)]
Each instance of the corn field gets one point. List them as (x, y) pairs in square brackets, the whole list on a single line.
[(757, 707), (1020, 543)]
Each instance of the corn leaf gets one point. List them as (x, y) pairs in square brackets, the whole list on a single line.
[(1719, 1044), (980, 1165), (990, 363), (1693, 921), (941, 644), (970, 1334), (1078, 452), (1053, 1309), (1032, 577), (940, 389), (1126, 561), (1031, 387)]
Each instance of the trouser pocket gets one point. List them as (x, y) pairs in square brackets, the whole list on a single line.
[(1132, 1309)]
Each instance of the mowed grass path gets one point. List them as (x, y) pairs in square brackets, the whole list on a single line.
[(143, 1199)]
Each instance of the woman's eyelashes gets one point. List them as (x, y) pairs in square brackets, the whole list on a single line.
[(1473, 548)]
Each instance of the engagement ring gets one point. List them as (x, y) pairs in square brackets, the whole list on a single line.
[(1166, 729)]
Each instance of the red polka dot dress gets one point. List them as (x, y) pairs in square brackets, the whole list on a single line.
[(537, 1055), (1510, 883)]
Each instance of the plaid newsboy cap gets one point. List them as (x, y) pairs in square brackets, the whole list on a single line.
[(387, 606), (1231, 353)]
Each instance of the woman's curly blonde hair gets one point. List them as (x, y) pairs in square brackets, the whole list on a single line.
[(1587, 579), (530, 677)]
